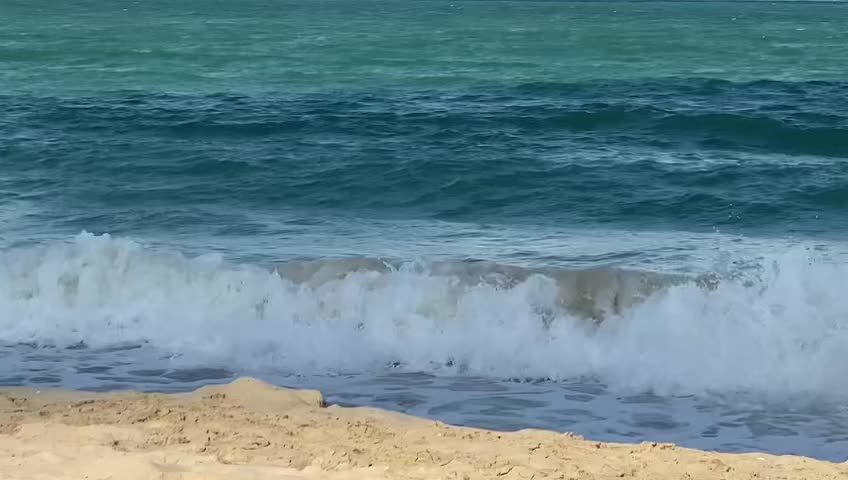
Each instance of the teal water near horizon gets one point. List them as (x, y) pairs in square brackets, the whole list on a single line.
[(626, 219), (259, 47)]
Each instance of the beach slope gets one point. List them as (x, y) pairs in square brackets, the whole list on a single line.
[(249, 429)]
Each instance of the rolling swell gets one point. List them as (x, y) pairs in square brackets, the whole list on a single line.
[(752, 116), (694, 153)]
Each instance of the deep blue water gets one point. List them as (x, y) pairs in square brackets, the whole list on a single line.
[(695, 154)]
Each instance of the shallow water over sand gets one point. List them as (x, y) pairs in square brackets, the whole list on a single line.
[(588, 408)]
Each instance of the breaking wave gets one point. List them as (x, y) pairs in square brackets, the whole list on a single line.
[(780, 330)]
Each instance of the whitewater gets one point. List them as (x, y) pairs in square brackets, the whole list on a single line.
[(780, 331)]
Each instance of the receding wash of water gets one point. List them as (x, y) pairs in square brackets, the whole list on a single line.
[(627, 220)]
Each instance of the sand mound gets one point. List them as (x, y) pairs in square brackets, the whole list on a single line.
[(249, 429)]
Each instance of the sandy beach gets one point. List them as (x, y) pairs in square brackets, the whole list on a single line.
[(249, 429)]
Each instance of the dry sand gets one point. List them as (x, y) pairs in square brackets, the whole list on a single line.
[(249, 430)]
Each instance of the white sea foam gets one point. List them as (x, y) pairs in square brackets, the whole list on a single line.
[(785, 332)]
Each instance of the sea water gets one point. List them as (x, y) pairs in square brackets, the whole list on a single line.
[(622, 219)]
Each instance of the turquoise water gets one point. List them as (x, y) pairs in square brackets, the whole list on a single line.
[(569, 215), (260, 46)]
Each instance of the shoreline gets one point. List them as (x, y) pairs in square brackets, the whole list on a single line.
[(249, 429)]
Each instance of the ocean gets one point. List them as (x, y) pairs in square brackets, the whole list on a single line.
[(627, 220)]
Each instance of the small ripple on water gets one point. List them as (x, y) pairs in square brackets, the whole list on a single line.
[(657, 421), (13, 380), (94, 369), (193, 375)]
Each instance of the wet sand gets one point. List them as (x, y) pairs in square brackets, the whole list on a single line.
[(248, 429)]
